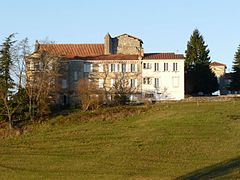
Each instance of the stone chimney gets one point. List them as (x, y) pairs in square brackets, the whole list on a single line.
[(107, 44), (37, 45)]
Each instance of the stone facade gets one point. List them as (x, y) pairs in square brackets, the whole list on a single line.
[(123, 44), (219, 70)]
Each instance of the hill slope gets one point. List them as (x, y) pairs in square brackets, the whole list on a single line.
[(169, 140)]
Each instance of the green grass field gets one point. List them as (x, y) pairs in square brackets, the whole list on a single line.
[(169, 140)]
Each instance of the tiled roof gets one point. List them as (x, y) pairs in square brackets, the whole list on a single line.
[(133, 57), (163, 56), (72, 50), (217, 64), (96, 52)]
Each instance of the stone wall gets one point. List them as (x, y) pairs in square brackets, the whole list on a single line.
[(123, 44)]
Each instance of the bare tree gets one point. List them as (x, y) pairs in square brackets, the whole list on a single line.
[(88, 94), (119, 86), (42, 73)]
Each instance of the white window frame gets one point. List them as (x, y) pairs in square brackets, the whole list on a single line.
[(147, 80), (156, 66), (132, 68), (165, 67), (175, 67), (175, 81), (132, 83), (112, 67), (124, 67), (156, 82), (147, 66)]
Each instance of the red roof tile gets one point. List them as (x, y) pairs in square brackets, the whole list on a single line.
[(217, 64), (163, 56), (72, 50), (96, 52)]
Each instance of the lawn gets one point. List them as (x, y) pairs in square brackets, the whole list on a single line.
[(167, 140)]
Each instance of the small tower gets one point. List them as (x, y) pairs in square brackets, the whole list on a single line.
[(107, 44)]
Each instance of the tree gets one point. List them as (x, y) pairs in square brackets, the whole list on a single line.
[(198, 75), (235, 77), (6, 81), (124, 87), (118, 86), (41, 87), (20, 51), (89, 95)]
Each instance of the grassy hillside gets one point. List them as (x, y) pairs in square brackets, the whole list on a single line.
[(167, 140)]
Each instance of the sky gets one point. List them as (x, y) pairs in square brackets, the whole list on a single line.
[(163, 25)]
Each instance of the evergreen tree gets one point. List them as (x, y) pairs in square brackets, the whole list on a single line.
[(6, 82), (235, 84), (197, 51), (198, 75)]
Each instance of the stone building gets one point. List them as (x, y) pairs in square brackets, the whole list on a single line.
[(159, 76), (219, 70)]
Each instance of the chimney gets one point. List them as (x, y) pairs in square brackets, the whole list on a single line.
[(37, 45), (107, 44)]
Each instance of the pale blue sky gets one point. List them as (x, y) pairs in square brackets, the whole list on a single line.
[(164, 26)]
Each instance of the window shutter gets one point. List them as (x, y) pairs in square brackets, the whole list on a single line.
[(90, 67)]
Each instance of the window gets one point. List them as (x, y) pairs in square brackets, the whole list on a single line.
[(149, 96), (100, 68), (132, 82), (156, 66), (64, 83), (31, 66), (175, 67), (156, 82), (40, 64), (100, 83), (165, 65), (87, 67), (123, 67), (75, 75), (113, 82), (175, 82), (117, 66), (146, 80), (132, 68), (146, 66), (111, 67)]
